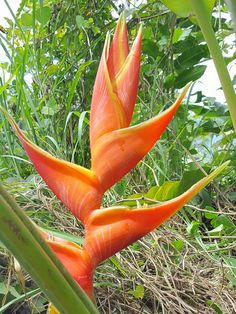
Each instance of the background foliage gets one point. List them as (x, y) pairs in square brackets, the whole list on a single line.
[(53, 49)]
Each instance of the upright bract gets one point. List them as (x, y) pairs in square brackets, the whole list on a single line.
[(116, 148)]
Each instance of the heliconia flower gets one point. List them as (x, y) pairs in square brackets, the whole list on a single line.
[(116, 148)]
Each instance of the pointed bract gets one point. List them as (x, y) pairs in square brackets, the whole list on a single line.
[(117, 152), (75, 186), (107, 112), (116, 85), (119, 48), (112, 229), (125, 83), (74, 258)]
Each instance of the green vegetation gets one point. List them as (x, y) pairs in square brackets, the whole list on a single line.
[(53, 49)]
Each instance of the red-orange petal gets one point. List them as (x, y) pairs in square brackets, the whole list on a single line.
[(74, 258), (75, 186), (107, 112), (119, 48), (125, 83), (116, 153), (112, 229)]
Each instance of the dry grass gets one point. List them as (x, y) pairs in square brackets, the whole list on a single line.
[(173, 283), (190, 280)]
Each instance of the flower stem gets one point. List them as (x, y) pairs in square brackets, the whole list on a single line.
[(209, 35)]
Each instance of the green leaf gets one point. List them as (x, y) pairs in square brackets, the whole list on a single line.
[(214, 307), (190, 178), (167, 191), (69, 237), (80, 21), (210, 215), (46, 110), (217, 230), (5, 289), (193, 227), (231, 262), (229, 226), (180, 34), (190, 55), (188, 75), (117, 264), (43, 15), (138, 293), (26, 19), (183, 8), (150, 48), (51, 69), (169, 81), (178, 245)]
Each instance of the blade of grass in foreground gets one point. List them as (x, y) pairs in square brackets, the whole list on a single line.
[(214, 48), (21, 298), (20, 236)]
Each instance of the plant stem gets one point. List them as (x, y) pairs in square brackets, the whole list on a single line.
[(209, 35)]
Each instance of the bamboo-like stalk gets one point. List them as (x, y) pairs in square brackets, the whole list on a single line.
[(21, 237), (209, 35)]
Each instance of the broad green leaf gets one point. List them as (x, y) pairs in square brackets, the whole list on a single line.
[(150, 48), (229, 226), (80, 21), (43, 15), (188, 75), (191, 55), (190, 178), (26, 19), (167, 191), (210, 215), (183, 8)]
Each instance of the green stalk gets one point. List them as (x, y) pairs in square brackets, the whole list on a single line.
[(209, 35), (20, 236)]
